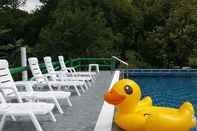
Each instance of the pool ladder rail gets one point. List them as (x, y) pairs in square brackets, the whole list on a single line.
[(125, 69)]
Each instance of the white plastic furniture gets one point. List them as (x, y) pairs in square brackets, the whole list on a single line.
[(43, 80), (25, 109), (94, 65), (61, 75), (72, 69), (9, 89)]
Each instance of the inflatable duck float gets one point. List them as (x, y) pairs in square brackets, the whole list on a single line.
[(133, 114)]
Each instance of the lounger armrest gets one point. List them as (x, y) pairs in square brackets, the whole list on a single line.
[(2, 88), (73, 69), (70, 69), (54, 73), (36, 78), (27, 84), (61, 72), (58, 73), (9, 86), (6, 87), (33, 78), (49, 75)]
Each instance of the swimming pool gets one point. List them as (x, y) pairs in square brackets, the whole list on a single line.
[(169, 90)]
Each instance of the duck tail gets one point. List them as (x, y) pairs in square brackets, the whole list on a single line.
[(188, 108)]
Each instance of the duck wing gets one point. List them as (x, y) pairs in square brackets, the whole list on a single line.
[(147, 101)]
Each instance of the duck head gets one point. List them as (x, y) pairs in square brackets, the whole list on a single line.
[(125, 95)]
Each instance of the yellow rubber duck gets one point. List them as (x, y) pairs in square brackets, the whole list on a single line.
[(133, 114)]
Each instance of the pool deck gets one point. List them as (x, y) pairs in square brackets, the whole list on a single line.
[(82, 116), (89, 112)]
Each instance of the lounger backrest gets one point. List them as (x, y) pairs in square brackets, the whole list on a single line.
[(48, 64), (3, 105), (5, 75), (3, 101), (35, 69), (62, 64), (7, 80)]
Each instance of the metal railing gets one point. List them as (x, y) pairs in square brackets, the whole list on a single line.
[(162, 72), (78, 63), (121, 61), (125, 69)]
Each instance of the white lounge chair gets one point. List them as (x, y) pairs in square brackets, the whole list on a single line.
[(73, 71), (25, 109), (43, 80), (61, 75), (10, 91)]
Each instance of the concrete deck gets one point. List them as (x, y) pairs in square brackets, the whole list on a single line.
[(81, 117)]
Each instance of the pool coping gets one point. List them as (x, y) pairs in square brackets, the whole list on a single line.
[(105, 119)]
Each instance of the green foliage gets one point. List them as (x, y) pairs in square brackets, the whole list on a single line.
[(77, 31), (193, 58), (147, 33), (12, 23), (12, 3), (174, 41), (135, 60)]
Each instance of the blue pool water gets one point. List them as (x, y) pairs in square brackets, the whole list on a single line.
[(169, 91)]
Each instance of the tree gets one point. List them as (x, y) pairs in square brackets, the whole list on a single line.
[(174, 41), (14, 4), (76, 31), (12, 23), (158, 33)]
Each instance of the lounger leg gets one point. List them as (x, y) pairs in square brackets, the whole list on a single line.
[(94, 77), (69, 102), (65, 87), (13, 117), (87, 83), (81, 86), (35, 122), (59, 87), (52, 116), (58, 106), (91, 77), (90, 82), (77, 90), (2, 122), (50, 86), (86, 86)]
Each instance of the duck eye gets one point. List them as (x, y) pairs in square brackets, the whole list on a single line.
[(128, 89)]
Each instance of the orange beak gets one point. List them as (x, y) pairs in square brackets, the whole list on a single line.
[(112, 97)]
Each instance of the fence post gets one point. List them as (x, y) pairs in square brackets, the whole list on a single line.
[(127, 71), (79, 64), (71, 63), (113, 64), (24, 63)]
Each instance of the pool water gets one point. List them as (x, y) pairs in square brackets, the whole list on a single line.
[(169, 91)]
